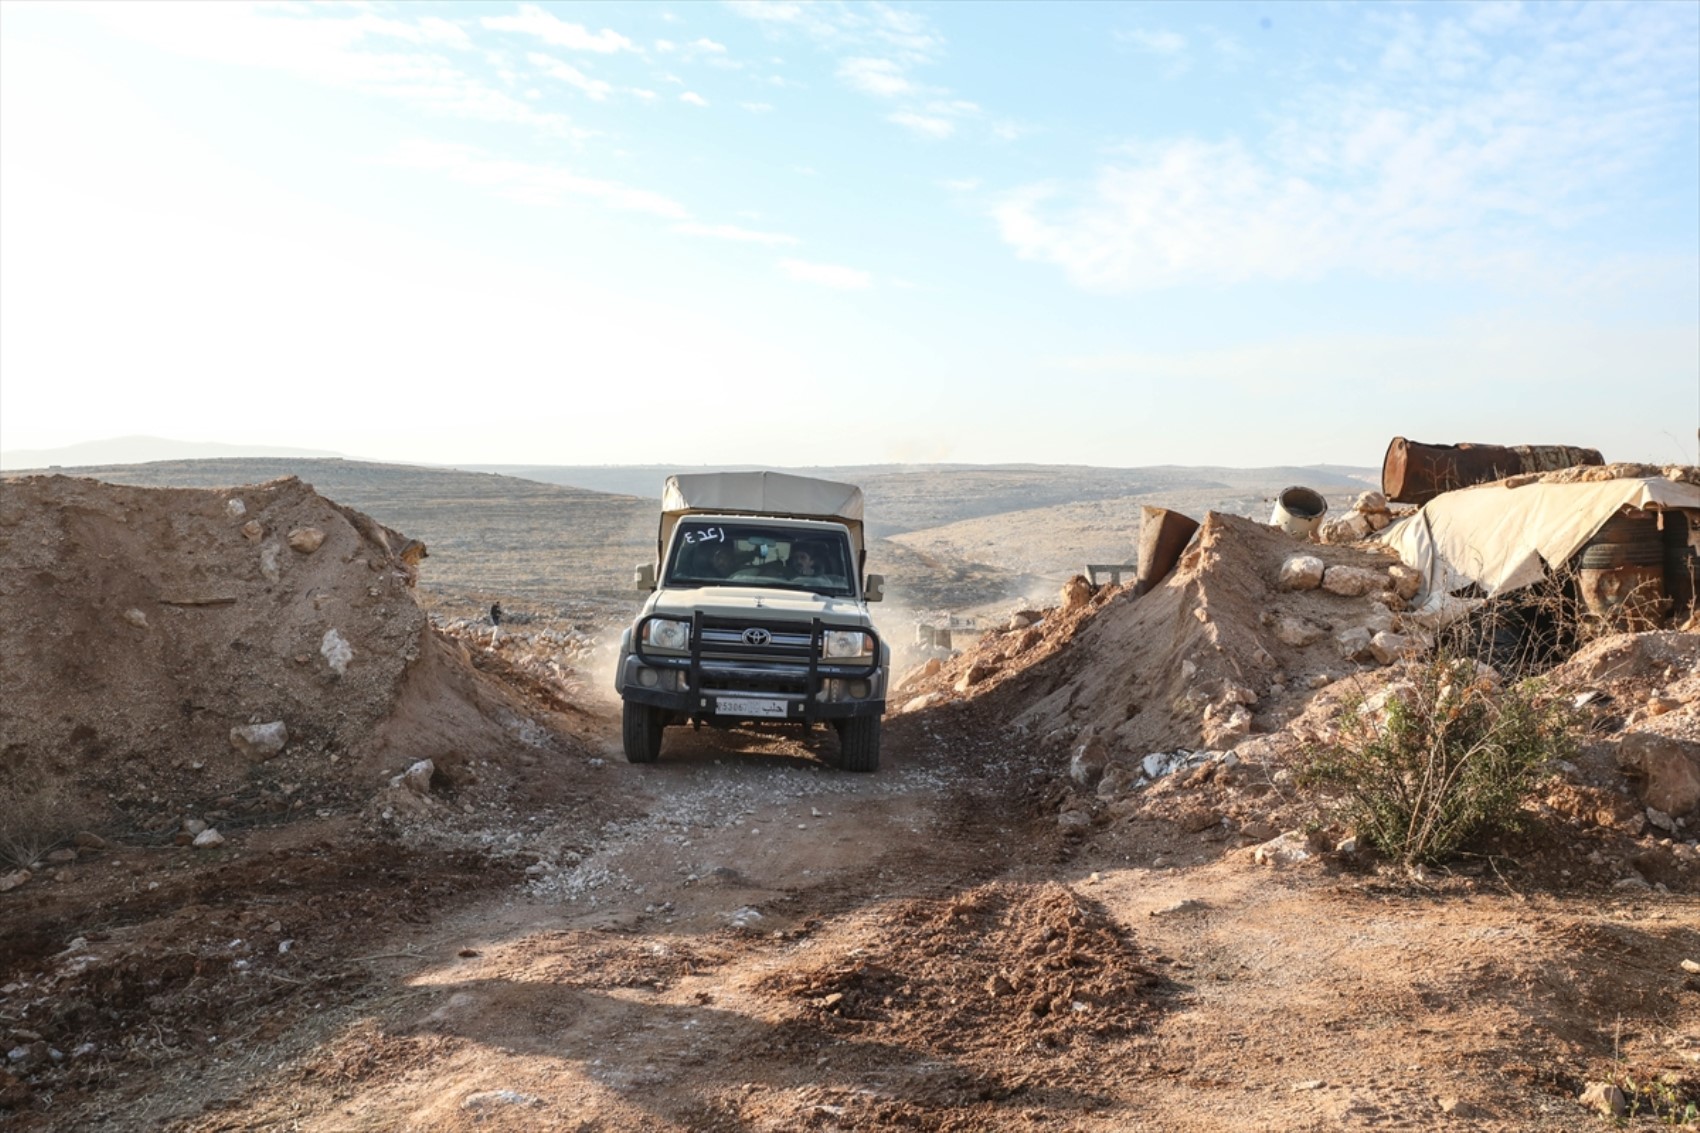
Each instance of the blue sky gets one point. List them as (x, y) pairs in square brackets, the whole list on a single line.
[(798, 233)]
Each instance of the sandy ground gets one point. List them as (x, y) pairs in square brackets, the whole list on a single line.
[(758, 942)]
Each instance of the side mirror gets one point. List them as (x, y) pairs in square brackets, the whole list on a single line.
[(874, 591), (644, 578)]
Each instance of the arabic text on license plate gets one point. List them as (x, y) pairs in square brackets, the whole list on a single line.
[(749, 706)]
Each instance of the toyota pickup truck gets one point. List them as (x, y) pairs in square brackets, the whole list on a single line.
[(757, 614)]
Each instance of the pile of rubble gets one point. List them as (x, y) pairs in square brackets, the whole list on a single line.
[(179, 660)]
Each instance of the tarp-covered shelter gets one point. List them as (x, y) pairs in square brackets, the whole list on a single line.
[(1506, 535)]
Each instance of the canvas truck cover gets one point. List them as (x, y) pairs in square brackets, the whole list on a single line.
[(760, 493), (1503, 538)]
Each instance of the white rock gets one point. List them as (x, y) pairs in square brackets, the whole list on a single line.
[(236, 509), (1389, 647), (1223, 725), (1370, 502), (1353, 582), (336, 651), (1354, 644), (136, 618), (1091, 755), (306, 539), (208, 839), (260, 741), (1301, 572), (1352, 527), (1297, 632), (1661, 820), (925, 700), (10, 881), (268, 562), (193, 826), (1406, 580), (417, 778), (1283, 849)]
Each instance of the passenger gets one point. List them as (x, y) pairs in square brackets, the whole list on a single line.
[(804, 561)]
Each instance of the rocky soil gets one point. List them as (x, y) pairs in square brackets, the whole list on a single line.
[(1084, 891)]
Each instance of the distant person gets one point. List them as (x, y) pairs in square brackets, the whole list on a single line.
[(495, 613)]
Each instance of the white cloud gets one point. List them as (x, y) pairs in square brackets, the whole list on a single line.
[(707, 47), (1157, 42), (735, 233), (928, 126), (595, 89), (693, 98), (1170, 47), (534, 21), (883, 78), (329, 46), (757, 107), (529, 183), (1389, 175), (827, 275)]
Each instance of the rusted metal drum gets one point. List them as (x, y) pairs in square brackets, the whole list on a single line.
[(1163, 535), (1299, 511), (1415, 473), (1681, 567), (1623, 574)]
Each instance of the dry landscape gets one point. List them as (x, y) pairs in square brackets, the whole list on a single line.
[(291, 839)]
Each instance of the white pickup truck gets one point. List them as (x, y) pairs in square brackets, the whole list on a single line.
[(758, 614)]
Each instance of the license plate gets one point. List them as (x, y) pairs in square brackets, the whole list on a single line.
[(751, 706)]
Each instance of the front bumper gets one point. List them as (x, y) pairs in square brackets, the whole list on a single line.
[(804, 688)]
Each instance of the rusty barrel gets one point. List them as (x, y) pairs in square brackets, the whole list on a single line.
[(1681, 567), (1623, 573), (1415, 473), (1163, 535)]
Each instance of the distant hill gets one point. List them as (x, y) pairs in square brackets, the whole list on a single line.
[(137, 450), (913, 497), (487, 535)]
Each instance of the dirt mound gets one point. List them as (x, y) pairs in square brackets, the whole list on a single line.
[(998, 967), (146, 627), (1167, 669)]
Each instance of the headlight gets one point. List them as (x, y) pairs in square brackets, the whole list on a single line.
[(666, 634), (846, 643)]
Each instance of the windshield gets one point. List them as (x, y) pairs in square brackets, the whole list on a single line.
[(748, 554)]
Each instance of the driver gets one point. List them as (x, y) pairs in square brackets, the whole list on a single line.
[(807, 561)]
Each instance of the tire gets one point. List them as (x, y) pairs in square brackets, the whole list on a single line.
[(859, 743), (640, 732)]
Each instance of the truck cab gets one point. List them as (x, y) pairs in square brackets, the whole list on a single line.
[(757, 613)]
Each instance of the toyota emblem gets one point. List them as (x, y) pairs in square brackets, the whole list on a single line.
[(755, 635)]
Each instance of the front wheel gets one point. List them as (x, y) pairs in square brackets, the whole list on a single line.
[(640, 732), (859, 743)]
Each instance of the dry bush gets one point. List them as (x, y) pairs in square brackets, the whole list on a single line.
[(1445, 762), (37, 813)]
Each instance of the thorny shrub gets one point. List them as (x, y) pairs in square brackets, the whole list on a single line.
[(36, 814), (1443, 762)]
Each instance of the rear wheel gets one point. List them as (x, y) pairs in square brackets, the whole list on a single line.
[(640, 732), (859, 743)]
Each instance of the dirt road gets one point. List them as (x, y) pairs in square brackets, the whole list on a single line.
[(757, 942)]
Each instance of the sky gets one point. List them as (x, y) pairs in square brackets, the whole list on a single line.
[(839, 233)]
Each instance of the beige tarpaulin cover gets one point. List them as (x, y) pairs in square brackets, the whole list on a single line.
[(760, 493), (1503, 538)]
